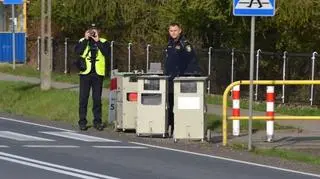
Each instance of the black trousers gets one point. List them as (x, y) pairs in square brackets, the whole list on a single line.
[(170, 104), (87, 82)]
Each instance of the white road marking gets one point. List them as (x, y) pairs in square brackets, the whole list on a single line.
[(4, 146), (21, 137), (34, 124), (57, 168), (51, 146), (181, 151), (47, 168), (227, 159), (120, 147), (82, 137)]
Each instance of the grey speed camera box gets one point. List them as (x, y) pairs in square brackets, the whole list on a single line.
[(152, 105), (189, 108), (126, 103)]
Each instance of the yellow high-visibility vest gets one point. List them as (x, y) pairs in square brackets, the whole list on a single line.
[(99, 63)]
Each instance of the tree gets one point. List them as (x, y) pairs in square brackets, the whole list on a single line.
[(207, 22)]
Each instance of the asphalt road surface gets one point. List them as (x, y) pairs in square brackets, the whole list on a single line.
[(31, 151)]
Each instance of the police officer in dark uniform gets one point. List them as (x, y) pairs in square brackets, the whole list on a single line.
[(93, 52), (180, 61)]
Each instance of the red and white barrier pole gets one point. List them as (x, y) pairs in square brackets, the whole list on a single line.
[(236, 110), (270, 112)]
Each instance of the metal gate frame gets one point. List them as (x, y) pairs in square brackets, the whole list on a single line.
[(261, 82)]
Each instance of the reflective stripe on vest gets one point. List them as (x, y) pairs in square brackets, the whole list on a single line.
[(99, 63)]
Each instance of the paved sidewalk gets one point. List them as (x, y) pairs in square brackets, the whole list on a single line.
[(57, 85), (310, 133)]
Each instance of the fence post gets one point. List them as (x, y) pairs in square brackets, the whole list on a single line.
[(38, 52), (148, 50), (51, 52), (270, 112), (129, 56), (236, 110), (209, 69), (66, 55), (111, 58), (312, 76), (257, 73), (232, 64), (284, 74)]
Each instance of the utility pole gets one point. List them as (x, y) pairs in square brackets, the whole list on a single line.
[(46, 45)]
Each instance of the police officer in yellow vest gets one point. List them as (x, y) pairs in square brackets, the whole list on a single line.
[(93, 52)]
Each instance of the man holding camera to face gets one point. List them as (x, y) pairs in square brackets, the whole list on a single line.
[(92, 54)]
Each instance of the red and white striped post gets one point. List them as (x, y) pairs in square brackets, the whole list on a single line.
[(270, 112), (236, 110)]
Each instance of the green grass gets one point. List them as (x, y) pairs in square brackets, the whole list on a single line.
[(29, 71), (214, 122), (23, 70), (28, 100), (280, 109), (282, 153), (290, 155), (244, 103)]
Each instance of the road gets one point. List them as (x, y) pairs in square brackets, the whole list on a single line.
[(31, 150)]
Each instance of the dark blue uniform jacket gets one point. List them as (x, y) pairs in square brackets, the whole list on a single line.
[(180, 59)]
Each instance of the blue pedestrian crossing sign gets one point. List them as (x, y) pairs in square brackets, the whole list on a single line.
[(10, 2), (254, 7)]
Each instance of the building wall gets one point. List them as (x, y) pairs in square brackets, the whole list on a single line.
[(6, 44), (5, 17)]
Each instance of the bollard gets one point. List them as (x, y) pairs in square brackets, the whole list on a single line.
[(270, 112), (236, 110)]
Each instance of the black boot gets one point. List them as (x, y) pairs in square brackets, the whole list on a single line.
[(99, 127), (83, 127)]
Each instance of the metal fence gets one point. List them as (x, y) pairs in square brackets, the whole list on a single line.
[(223, 66)]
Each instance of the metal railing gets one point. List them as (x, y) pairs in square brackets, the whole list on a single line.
[(262, 82)]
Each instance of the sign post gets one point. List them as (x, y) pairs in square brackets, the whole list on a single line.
[(14, 23), (252, 8)]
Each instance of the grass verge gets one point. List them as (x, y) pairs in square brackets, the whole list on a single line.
[(28, 100), (29, 71), (280, 109), (214, 122), (282, 153)]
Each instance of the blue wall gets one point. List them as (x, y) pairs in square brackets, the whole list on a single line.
[(6, 47)]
